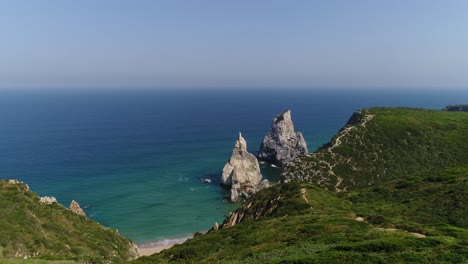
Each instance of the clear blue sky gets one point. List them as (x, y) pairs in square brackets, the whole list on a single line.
[(290, 43)]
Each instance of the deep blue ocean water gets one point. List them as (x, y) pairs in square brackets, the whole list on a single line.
[(134, 159)]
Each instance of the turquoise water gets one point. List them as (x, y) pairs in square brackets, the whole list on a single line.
[(134, 159)]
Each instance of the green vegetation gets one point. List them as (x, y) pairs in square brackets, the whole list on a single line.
[(313, 225), (399, 200), (51, 232), (435, 197), (36, 261), (402, 177), (381, 144)]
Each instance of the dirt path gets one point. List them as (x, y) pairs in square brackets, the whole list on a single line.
[(304, 192)]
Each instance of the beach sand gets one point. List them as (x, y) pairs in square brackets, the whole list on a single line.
[(158, 246), (146, 251)]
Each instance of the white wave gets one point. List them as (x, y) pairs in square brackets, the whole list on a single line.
[(183, 179), (165, 242)]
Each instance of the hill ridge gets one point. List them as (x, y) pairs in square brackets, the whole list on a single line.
[(378, 144)]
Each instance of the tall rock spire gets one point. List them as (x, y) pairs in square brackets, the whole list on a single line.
[(242, 171), (241, 144), (282, 144)]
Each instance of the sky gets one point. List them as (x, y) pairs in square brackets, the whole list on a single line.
[(242, 43)]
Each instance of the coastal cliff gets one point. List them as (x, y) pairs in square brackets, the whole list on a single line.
[(379, 144), (456, 108), (415, 212), (41, 228), (282, 144), (241, 172)]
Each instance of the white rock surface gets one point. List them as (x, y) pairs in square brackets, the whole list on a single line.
[(47, 200), (282, 144), (75, 208), (241, 172)]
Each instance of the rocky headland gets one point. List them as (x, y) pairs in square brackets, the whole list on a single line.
[(401, 174), (456, 108), (242, 172), (41, 228), (282, 144)]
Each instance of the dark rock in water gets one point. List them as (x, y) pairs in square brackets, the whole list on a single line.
[(241, 172), (456, 108), (282, 144)]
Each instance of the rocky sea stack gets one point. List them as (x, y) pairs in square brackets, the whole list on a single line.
[(242, 172), (75, 208), (282, 144), (456, 108)]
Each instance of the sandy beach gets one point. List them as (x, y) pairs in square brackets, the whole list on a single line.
[(151, 248), (147, 251)]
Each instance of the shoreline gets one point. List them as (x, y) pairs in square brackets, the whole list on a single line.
[(153, 247)]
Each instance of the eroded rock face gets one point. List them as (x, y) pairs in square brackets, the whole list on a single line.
[(75, 208), (241, 172), (282, 144), (47, 200)]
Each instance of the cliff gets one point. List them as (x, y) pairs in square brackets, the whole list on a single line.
[(414, 219), (44, 229), (241, 172), (456, 108), (415, 213), (379, 144), (282, 144)]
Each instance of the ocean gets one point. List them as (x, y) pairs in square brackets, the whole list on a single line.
[(134, 159)]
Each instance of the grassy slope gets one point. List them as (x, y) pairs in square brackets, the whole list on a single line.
[(323, 228), (383, 143), (28, 228), (434, 197), (414, 212), (36, 261)]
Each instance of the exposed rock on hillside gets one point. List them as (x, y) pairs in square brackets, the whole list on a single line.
[(75, 208), (282, 144), (31, 228), (18, 183), (241, 172), (47, 200), (280, 200), (456, 108), (379, 144)]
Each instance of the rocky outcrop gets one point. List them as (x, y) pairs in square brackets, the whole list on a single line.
[(456, 108), (18, 183), (282, 144), (279, 200), (62, 234), (215, 227), (250, 211), (47, 200), (241, 172), (75, 208)]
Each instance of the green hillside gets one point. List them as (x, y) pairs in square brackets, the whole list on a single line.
[(431, 197), (397, 201), (29, 229), (311, 225), (402, 181), (380, 144)]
